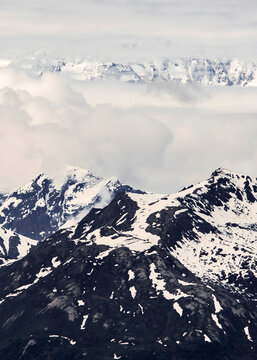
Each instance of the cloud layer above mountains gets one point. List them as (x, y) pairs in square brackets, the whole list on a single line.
[(123, 29), (156, 137)]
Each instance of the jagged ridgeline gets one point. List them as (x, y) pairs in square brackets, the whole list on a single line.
[(147, 276), (42, 206), (193, 71)]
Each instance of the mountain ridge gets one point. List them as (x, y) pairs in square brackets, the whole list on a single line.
[(194, 71), (148, 277), (43, 205), (223, 207)]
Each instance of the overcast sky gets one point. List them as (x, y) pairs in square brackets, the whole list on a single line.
[(131, 29), (158, 137)]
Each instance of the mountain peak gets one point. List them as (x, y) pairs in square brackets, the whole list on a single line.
[(222, 171), (40, 178), (78, 173), (210, 227), (44, 205), (30, 186)]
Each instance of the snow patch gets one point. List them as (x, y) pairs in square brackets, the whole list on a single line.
[(133, 291), (44, 272), (141, 308), (178, 308), (217, 305), (185, 283), (246, 330), (81, 303), (116, 356), (216, 320), (131, 275), (55, 262), (83, 324), (206, 338)]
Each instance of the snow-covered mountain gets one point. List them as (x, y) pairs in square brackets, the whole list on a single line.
[(149, 276), (194, 71), (42, 206), (210, 228)]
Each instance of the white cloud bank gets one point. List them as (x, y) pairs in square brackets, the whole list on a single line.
[(155, 137)]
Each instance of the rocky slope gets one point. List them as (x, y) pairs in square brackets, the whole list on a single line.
[(194, 71), (13, 246), (42, 206), (147, 277), (210, 228)]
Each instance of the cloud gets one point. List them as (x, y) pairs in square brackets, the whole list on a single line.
[(46, 123), (158, 28), (155, 137)]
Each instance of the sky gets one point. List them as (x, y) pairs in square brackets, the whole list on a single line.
[(131, 29), (157, 137)]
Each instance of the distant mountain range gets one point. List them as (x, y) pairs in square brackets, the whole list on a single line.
[(194, 71), (146, 277)]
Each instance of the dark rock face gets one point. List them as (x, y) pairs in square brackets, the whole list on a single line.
[(171, 228), (3, 197), (147, 277), (13, 252), (13, 246), (108, 218), (91, 306), (25, 216)]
